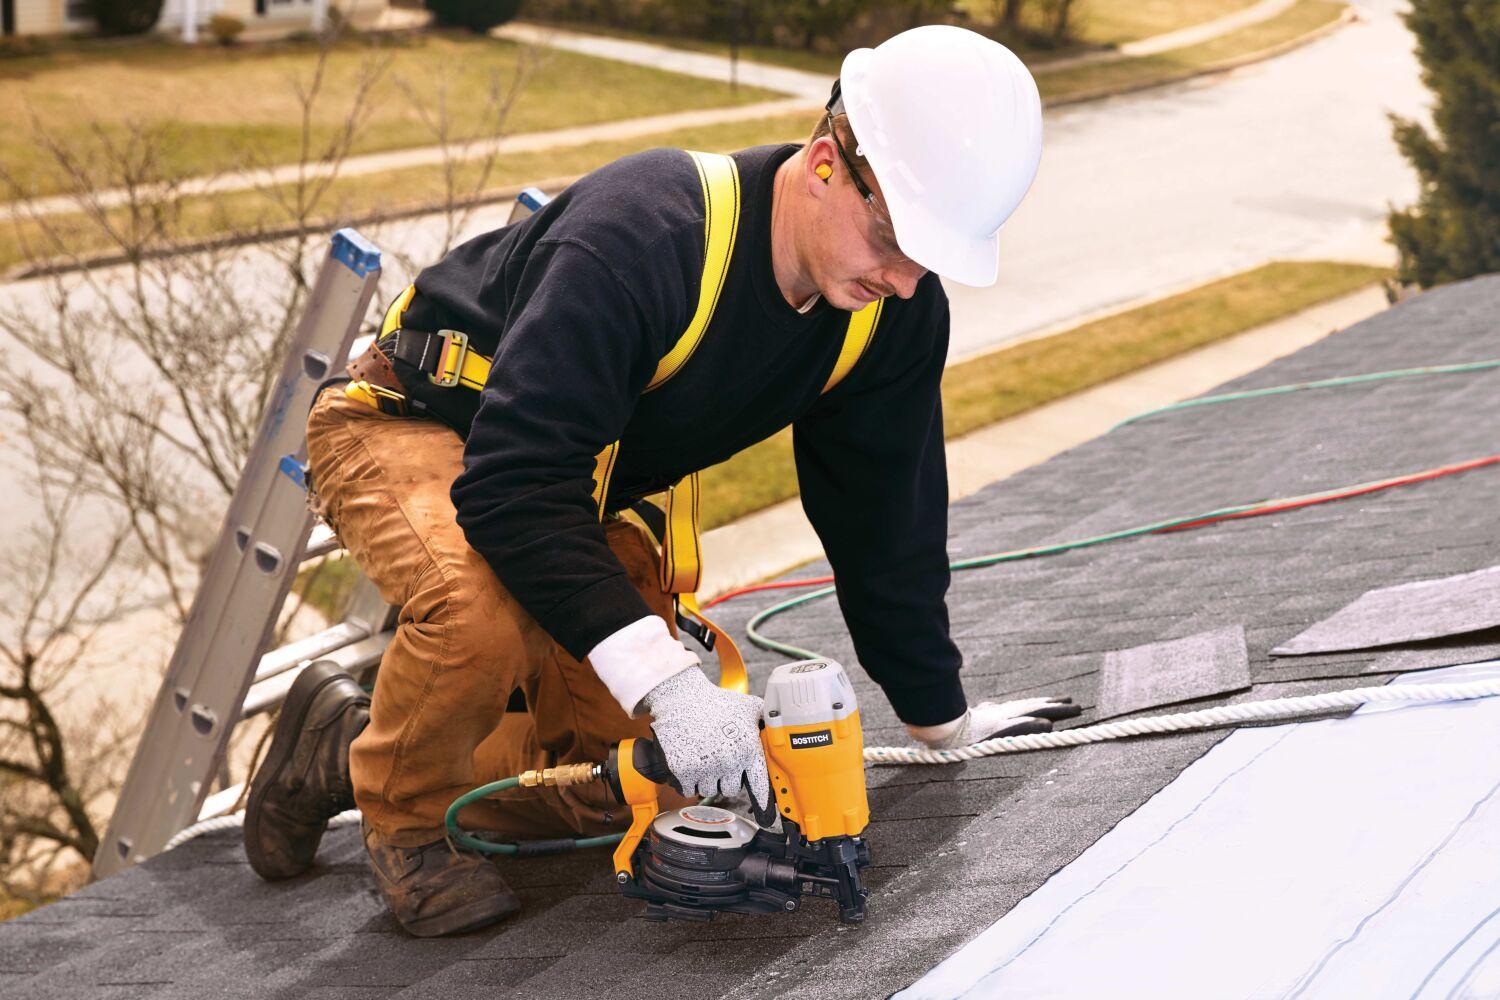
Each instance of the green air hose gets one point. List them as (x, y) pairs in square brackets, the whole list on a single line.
[(1326, 383), (459, 836), (752, 628)]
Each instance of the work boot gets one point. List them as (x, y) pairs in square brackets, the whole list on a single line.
[(435, 889), (304, 780)]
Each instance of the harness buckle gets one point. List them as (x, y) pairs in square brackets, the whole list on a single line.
[(697, 630), (450, 361)]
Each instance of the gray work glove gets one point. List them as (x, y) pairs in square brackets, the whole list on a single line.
[(989, 719), (710, 736)]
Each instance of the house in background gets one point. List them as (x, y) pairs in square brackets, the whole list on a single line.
[(263, 18)]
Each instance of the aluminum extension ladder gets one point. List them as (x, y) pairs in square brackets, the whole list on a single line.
[(220, 673)]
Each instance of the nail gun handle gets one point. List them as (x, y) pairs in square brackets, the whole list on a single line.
[(651, 762), (634, 769), (645, 759)]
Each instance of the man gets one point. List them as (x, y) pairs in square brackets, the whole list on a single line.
[(477, 508)]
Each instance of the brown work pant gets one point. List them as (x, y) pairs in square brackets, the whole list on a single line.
[(438, 725)]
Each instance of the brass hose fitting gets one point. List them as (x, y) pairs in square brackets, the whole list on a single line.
[(563, 775)]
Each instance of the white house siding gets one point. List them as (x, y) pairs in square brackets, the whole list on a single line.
[(44, 17), (49, 17)]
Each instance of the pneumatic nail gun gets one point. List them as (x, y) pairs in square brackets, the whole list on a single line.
[(692, 862)]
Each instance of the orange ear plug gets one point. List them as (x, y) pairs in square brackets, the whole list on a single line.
[(824, 171)]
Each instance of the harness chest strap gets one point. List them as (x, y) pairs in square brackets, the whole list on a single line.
[(448, 361)]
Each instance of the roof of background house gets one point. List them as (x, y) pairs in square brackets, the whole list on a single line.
[(955, 847)]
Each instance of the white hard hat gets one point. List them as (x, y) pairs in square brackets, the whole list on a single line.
[(951, 123)]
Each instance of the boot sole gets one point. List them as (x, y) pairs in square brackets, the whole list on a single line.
[(480, 913), (299, 699)]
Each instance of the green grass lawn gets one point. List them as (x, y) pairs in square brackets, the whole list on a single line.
[(1114, 22), (353, 198), (1012, 380), (1097, 79), (1097, 24), (221, 105)]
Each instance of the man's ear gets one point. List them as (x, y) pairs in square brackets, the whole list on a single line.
[(820, 154)]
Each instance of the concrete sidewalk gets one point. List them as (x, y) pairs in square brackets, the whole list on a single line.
[(704, 65), (770, 542), (1179, 39)]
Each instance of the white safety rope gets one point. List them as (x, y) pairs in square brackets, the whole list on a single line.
[(234, 820), (1206, 718)]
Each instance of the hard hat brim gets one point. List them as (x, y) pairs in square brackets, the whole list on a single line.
[(957, 256)]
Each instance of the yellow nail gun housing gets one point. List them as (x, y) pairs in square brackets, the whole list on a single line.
[(815, 749), (691, 863)]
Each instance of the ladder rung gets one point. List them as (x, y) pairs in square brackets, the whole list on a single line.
[(321, 542), (354, 657), (320, 644)]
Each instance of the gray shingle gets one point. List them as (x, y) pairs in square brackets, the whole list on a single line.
[(1176, 670), (1406, 613)]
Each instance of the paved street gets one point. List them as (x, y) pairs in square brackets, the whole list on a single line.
[(1144, 193)]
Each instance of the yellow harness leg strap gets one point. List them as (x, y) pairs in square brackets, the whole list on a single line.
[(681, 558), (682, 570), (681, 552)]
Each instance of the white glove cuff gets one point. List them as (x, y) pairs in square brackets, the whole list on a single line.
[(941, 736), (638, 657)]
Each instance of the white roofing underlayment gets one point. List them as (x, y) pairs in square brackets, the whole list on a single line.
[(1355, 857)]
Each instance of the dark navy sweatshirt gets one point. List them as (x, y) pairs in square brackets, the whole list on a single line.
[(579, 302)]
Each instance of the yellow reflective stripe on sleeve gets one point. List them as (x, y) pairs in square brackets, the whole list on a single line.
[(856, 341), (604, 469), (393, 314), (681, 560), (721, 218), (732, 673)]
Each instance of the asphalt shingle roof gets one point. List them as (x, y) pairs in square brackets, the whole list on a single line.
[(956, 846)]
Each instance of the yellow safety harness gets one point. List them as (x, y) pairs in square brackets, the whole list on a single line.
[(681, 552)]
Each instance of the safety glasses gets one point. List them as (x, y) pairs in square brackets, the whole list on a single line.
[(879, 232)]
